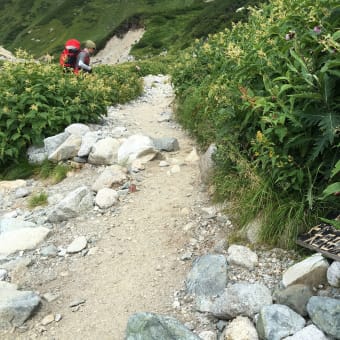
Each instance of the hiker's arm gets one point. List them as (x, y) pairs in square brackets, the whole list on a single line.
[(82, 65), (81, 62)]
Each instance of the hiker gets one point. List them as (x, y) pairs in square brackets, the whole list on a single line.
[(83, 60), (68, 57)]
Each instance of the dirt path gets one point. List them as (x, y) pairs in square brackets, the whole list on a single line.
[(134, 263), (137, 266)]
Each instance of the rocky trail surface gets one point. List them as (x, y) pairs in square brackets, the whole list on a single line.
[(83, 268)]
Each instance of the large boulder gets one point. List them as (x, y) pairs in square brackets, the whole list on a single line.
[(87, 141), (53, 142), (312, 272), (166, 144), (134, 147), (104, 152), (67, 150), (106, 198), (245, 299), (278, 321), (296, 297), (148, 326), (77, 129), (76, 202), (10, 224), (325, 313)]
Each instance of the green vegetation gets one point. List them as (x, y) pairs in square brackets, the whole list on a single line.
[(38, 200), (49, 170), (38, 101), (43, 26), (267, 92)]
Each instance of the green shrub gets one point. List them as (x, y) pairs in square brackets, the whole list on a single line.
[(38, 200), (270, 88), (38, 101)]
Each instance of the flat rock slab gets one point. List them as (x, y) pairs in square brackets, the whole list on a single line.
[(22, 239)]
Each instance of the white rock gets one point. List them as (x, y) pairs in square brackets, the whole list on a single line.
[(10, 224), (112, 175), (312, 271), (77, 129), (240, 328), (207, 335), (22, 239), (135, 147), (333, 274), (106, 198), (163, 164), (175, 169), (77, 245), (104, 152), (87, 141), (242, 256)]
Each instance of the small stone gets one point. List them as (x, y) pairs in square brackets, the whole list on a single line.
[(58, 317), (3, 274), (77, 245), (50, 297), (76, 303), (163, 164), (47, 319)]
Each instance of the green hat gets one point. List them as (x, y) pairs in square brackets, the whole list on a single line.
[(90, 44)]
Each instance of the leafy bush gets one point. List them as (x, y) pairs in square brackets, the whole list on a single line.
[(38, 101), (271, 88)]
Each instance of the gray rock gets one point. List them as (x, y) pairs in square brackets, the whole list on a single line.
[(206, 163), (16, 307), (241, 299), (311, 271), (278, 321), (76, 202), (49, 251), (325, 314), (36, 155), (52, 143), (208, 276), (166, 144), (253, 231), (296, 297), (148, 326), (67, 150), (242, 256), (333, 274), (308, 333), (3, 274), (87, 141)]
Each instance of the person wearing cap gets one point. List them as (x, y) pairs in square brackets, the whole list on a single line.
[(83, 61)]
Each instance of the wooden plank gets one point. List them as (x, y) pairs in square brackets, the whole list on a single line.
[(326, 253)]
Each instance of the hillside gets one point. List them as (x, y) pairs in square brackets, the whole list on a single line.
[(42, 26)]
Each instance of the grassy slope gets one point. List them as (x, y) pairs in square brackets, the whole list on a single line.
[(42, 26)]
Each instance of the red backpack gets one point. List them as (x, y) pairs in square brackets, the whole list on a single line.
[(68, 57)]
